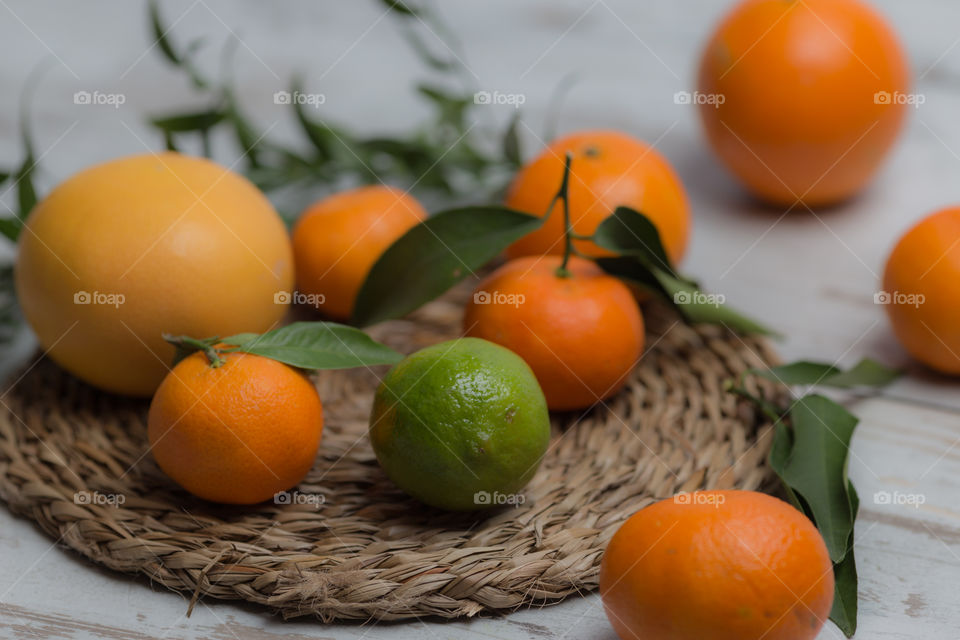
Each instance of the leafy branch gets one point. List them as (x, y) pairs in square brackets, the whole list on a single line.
[(444, 157), (810, 450), (453, 244)]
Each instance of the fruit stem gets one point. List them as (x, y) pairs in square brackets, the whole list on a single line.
[(568, 235), (188, 344)]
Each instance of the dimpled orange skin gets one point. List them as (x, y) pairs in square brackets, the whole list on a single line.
[(193, 248), (581, 335), (238, 433), (337, 241), (609, 169), (799, 119), (923, 271), (751, 568)]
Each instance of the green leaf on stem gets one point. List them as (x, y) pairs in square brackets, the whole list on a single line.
[(196, 121), (866, 373), (816, 467), (629, 233), (244, 133), (511, 142), (451, 107), (11, 228), (401, 8), (435, 255), (23, 176), (159, 33), (324, 138), (316, 345), (844, 610), (183, 61), (307, 345), (636, 272), (168, 142), (700, 307), (643, 260)]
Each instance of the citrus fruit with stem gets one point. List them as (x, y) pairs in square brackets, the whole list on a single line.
[(460, 425), (612, 170), (337, 240), (920, 292), (805, 97), (579, 329), (123, 251), (725, 565), (235, 427)]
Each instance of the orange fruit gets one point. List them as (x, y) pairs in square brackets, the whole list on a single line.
[(803, 100), (581, 335), (124, 251), (921, 293), (338, 239), (238, 433), (609, 169), (724, 565)]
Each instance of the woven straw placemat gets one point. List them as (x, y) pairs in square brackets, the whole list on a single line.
[(76, 461)]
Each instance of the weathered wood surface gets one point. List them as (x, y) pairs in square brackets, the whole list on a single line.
[(811, 276)]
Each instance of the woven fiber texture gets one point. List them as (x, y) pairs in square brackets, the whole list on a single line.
[(76, 461)]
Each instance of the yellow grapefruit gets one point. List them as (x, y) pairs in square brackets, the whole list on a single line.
[(124, 251)]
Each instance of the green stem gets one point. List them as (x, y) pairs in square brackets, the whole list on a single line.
[(193, 344), (765, 406), (563, 194)]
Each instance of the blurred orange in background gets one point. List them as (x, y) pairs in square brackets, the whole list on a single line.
[(921, 291), (337, 240), (806, 98)]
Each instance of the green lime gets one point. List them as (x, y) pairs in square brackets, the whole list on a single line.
[(460, 425)]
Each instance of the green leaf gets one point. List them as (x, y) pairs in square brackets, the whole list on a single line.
[(866, 373), (800, 372), (629, 233), (26, 192), (643, 260), (198, 121), (323, 138), (844, 611), (634, 271), (700, 307), (159, 35), (452, 107), (401, 8), (316, 345), (244, 133), (511, 142), (435, 255), (816, 468), (11, 228), (780, 451)]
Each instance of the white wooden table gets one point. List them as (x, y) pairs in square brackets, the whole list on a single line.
[(811, 276)]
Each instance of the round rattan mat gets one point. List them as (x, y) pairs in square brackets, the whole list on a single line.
[(352, 546)]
